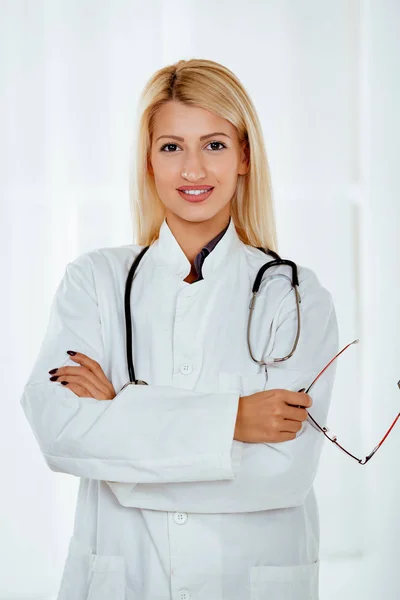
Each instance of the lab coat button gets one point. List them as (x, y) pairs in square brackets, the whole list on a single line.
[(185, 368), (184, 595), (180, 518)]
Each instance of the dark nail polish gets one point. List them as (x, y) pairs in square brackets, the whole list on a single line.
[(54, 378), (64, 382), (71, 352), (53, 371)]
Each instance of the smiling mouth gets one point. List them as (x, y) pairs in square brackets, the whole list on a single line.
[(195, 190), (197, 196)]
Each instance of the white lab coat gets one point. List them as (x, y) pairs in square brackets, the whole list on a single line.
[(170, 507)]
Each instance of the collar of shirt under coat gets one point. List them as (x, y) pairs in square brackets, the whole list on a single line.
[(213, 256)]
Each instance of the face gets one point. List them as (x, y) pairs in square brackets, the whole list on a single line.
[(214, 161)]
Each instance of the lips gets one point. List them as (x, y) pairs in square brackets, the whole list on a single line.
[(194, 187), (193, 198)]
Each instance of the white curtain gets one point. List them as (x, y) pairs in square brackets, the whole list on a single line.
[(324, 77)]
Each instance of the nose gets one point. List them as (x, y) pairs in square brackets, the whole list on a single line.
[(193, 168), (192, 177)]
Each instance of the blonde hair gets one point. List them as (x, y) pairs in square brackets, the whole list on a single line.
[(209, 85)]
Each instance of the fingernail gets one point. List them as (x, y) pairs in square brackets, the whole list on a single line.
[(54, 378), (302, 390), (64, 382), (53, 371), (71, 352)]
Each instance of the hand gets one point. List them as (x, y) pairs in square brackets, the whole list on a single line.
[(271, 416), (88, 380)]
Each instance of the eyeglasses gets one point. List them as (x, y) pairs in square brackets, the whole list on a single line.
[(270, 359), (324, 430)]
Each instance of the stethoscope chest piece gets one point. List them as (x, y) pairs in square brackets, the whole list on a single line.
[(137, 382)]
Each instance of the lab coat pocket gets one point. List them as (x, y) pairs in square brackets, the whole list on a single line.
[(89, 576), (73, 584), (107, 578), (298, 582)]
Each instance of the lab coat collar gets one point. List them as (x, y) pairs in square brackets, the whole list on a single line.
[(166, 251)]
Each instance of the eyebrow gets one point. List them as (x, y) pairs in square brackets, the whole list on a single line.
[(203, 137)]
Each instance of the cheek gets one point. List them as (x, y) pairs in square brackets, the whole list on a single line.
[(165, 175), (165, 184), (224, 170)]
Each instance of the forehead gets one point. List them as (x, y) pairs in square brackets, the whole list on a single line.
[(175, 118)]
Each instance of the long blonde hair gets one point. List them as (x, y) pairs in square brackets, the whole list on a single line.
[(212, 86)]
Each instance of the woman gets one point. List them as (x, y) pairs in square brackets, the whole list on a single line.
[(198, 485)]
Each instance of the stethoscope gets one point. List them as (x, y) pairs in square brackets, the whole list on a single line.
[(278, 261)]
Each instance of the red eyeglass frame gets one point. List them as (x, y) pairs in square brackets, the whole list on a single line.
[(324, 430)]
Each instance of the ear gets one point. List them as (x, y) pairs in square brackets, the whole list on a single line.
[(245, 159)]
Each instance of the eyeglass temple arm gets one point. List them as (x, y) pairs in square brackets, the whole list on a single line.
[(329, 363), (324, 430), (382, 440)]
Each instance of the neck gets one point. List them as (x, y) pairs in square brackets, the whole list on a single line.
[(192, 236)]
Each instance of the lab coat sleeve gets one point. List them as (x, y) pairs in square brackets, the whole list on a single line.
[(144, 434), (270, 475)]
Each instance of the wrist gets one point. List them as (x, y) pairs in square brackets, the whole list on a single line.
[(236, 435)]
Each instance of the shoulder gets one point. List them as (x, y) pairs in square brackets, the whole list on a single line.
[(102, 272), (116, 259), (314, 296), (310, 288)]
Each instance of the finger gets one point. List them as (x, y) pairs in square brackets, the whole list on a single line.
[(79, 390), (295, 414), (299, 399), (94, 392), (290, 426), (86, 374), (286, 437), (91, 364), (82, 392)]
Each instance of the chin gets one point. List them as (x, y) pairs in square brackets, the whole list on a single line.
[(198, 214)]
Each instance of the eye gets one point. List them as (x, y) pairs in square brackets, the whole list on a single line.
[(220, 143), (162, 149)]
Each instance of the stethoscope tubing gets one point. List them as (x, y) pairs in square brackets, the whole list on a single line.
[(278, 261), (128, 317)]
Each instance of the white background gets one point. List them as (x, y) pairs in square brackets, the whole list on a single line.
[(324, 77)]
